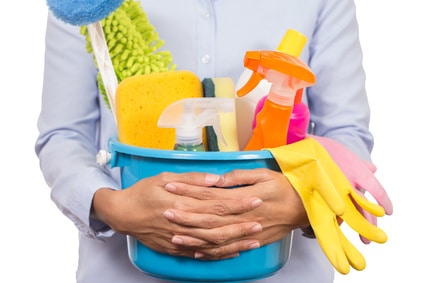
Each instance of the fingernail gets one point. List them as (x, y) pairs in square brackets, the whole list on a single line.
[(256, 228), (198, 255), (177, 241), (212, 178), (168, 214), (254, 245), (256, 202), (170, 187)]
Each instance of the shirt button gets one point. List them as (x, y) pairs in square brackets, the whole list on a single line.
[(205, 59), (206, 15)]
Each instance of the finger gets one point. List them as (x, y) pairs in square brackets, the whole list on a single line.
[(237, 178), (164, 245), (323, 221), (371, 219), (374, 187), (204, 193), (227, 251), (357, 222), (371, 207), (370, 166), (220, 207), (191, 178), (368, 216), (221, 235), (355, 258), (329, 185), (204, 220)]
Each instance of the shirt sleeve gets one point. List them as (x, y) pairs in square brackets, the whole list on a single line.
[(338, 101), (69, 125)]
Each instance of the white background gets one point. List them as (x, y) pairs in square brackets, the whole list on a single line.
[(38, 244)]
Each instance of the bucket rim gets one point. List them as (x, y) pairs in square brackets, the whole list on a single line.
[(116, 146)]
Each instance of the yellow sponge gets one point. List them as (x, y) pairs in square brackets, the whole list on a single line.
[(140, 101)]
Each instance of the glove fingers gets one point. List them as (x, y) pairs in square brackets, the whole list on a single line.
[(355, 258), (370, 166), (373, 186), (358, 223), (371, 207), (370, 218), (328, 189), (323, 222)]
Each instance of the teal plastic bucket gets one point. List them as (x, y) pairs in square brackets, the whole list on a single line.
[(137, 163)]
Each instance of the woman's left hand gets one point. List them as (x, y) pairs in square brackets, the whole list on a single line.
[(215, 227)]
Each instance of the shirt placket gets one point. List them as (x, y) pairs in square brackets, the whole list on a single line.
[(206, 37)]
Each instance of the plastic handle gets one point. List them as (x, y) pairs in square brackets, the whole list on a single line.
[(104, 63), (260, 62)]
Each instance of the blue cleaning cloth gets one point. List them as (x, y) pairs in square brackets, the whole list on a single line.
[(82, 12)]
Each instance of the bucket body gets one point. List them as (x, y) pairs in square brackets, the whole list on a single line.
[(137, 163)]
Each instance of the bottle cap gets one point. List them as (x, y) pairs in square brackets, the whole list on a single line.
[(292, 43)]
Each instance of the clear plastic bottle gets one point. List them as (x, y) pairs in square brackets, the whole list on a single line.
[(190, 115)]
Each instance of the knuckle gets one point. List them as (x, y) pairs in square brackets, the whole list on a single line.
[(210, 222), (205, 194), (219, 240), (220, 209), (165, 176), (218, 252)]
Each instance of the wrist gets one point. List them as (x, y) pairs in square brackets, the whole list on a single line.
[(101, 204)]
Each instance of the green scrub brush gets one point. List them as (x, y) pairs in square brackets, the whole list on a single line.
[(133, 44)]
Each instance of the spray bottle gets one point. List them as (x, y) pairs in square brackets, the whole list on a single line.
[(299, 119), (190, 115), (249, 105), (287, 74)]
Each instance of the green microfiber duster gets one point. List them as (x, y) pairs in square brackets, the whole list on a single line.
[(133, 44)]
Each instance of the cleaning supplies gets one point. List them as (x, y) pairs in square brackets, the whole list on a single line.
[(287, 75), (189, 117), (140, 101), (327, 195), (299, 119), (250, 104), (360, 173), (80, 12), (224, 88), (133, 44)]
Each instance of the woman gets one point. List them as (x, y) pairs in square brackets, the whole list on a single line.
[(209, 38)]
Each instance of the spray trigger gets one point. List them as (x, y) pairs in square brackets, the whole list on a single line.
[(189, 115)]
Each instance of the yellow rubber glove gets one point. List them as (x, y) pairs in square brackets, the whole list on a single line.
[(327, 194), (360, 173)]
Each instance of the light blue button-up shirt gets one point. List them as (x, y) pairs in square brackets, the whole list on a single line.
[(208, 37)]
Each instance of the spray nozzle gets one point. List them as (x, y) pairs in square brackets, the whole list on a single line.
[(287, 73), (189, 115)]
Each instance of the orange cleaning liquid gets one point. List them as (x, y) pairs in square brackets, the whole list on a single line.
[(271, 126)]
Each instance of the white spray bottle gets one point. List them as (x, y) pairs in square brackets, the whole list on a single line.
[(190, 115)]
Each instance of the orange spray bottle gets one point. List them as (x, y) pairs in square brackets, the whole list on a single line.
[(287, 74), (249, 105)]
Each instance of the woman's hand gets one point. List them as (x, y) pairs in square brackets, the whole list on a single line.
[(138, 211), (216, 227)]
